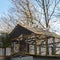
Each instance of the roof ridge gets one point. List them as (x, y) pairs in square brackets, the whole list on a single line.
[(40, 31)]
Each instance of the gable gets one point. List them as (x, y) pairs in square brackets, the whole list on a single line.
[(18, 30)]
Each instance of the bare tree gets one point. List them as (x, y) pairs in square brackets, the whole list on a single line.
[(26, 12), (32, 12), (7, 23), (49, 9), (39, 12)]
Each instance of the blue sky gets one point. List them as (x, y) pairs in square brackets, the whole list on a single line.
[(4, 6)]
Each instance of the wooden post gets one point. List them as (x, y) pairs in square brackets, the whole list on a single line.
[(47, 48), (54, 47), (39, 50), (27, 48), (12, 48), (35, 47)]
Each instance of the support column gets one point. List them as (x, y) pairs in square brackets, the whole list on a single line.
[(54, 47), (12, 48), (35, 47), (47, 48), (39, 50)]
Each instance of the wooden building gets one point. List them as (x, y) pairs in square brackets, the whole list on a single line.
[(28, 41)]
